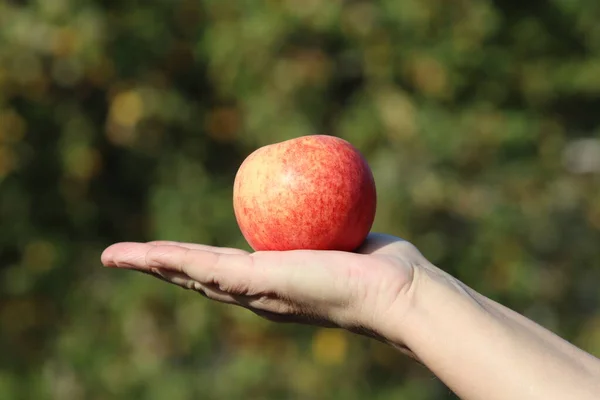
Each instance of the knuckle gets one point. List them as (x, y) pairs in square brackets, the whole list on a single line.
[(186, 261), (152, 258), (274, 305)]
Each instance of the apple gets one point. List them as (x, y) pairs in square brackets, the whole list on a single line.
[(313, 192)]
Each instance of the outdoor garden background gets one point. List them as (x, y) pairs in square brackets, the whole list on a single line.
[(127, 120)]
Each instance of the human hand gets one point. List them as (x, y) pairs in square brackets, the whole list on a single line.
[(354, 291), (389, 291)]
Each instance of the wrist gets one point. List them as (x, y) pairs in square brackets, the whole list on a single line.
[(432, 295)]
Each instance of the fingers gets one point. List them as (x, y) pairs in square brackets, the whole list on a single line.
[(258, 303), (124, 255), (208, 291), (269, 307), (195, 246), (201, 265), (127, 246), (185, 282), (292, 286), (232, 273)]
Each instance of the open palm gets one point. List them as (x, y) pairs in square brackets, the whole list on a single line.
[(327, 288)]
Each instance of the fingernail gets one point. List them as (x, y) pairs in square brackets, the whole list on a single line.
[(106, 258), (126, 265), (158, 272)]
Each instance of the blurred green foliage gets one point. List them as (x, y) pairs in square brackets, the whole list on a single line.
[(126, 120)]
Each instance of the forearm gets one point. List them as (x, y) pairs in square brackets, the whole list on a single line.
[(483, 350)]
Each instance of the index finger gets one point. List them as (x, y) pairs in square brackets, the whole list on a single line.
[(196, 246), (234, 273)]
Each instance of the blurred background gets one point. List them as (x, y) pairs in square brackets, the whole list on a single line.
[(127, 120)]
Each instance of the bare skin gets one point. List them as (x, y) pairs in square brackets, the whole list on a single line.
[(388, 291)]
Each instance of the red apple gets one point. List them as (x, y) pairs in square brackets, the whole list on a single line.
[(313, 192)]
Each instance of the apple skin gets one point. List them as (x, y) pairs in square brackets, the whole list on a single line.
[(313, 192)]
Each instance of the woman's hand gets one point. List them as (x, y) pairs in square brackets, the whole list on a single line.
[(338, 289), (387, 290)]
